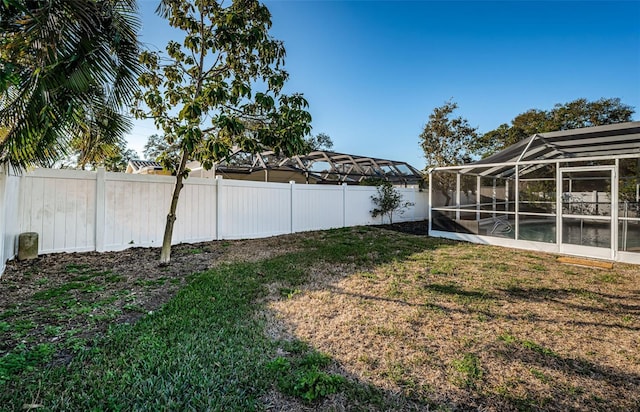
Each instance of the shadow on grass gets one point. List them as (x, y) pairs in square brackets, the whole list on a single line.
[(620, 384), (373, 298), (453, 290), (605, 303)]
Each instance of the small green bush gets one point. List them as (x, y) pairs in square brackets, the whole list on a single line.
[(388, 201), (302, 377), (314, 384)]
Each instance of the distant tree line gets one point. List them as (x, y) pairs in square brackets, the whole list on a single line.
[(573, 115), (448, 140)]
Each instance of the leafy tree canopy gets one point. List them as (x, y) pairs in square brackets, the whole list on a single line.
[(573, 115), (201, 91), (89, 155), (446, 141), (155, 146), (321, 141), (119, 159), (160, 150), (219, 88)]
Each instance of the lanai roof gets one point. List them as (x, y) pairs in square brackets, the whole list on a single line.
[(326, 166), (590, 142)]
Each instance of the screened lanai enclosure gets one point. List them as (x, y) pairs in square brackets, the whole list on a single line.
[(320, 167), (574, 192)]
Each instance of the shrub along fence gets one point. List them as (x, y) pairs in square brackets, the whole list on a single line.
[(76, 210)]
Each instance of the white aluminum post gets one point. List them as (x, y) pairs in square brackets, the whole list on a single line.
[(506, 196), (558, 206), (344, 205), (429, 217), (614, 210), (219, 181), (478, 197), (517, 202), (292, 186), (101, 176), (493, 198), (458, 188)]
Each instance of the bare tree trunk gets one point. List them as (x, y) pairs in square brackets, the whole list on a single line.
[(165, 255), (446, 196)]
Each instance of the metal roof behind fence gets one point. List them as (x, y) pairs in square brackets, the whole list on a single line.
[(326, 167)]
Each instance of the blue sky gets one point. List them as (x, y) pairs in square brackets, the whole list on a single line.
[(373, 71)]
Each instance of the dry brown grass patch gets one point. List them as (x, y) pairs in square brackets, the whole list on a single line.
[(478, 326)]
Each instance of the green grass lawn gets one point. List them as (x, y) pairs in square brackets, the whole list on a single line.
[(468, 315)]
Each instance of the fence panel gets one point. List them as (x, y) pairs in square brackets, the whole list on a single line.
[(135, 209), (317, 207), (5, 249), (253, 209), (60, 206), (410, 213), (196, 214), (421, 209), (12, 226), (358, 206)]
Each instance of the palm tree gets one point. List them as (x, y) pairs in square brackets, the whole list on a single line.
[(67, 69)]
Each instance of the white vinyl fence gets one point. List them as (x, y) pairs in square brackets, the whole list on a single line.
[(75, 211), (9, 226)]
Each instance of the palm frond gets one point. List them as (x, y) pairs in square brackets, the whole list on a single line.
[(57, 54)]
